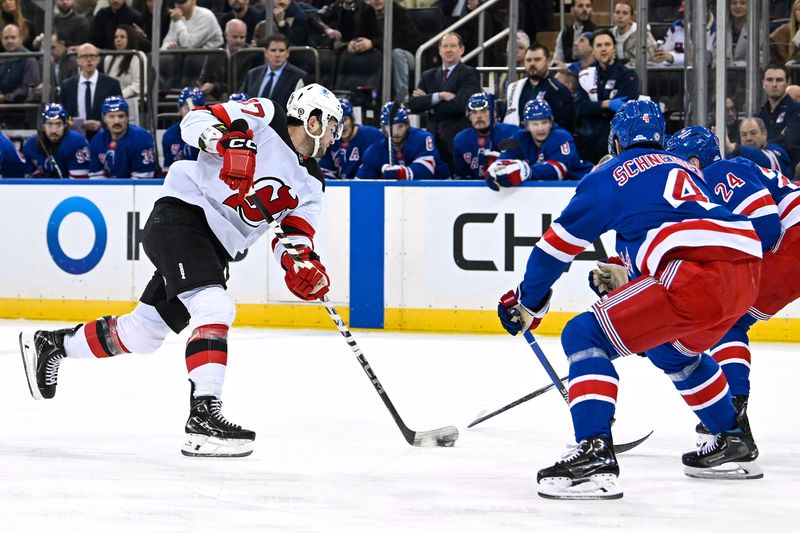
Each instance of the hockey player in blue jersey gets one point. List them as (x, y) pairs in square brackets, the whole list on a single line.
[(120, 149), (694, 269), (414, 154), (238, 97), (12, 165), (173, 146), (543, 151), (772, 202), (56, 151), (477, 147), (343, 158)]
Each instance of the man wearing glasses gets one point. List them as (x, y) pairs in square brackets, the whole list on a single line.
[(83, 95)]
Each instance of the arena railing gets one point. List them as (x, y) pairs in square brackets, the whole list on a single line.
[(34, 98)]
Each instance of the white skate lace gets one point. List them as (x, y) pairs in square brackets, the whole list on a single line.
[(216, 412), (572, 452), (708, 446), (51, 368)]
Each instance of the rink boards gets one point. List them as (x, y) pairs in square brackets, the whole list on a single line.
[(424, 256)]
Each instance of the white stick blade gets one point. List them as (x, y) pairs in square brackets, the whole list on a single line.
[(445, 437)]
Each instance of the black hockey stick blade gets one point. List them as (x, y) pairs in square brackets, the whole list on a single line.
[(531, 396), (508, 144), (627, 446)]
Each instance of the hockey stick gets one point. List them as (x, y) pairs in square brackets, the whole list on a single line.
[(531, 396), (445, 436), (618, 448), (396, 103)]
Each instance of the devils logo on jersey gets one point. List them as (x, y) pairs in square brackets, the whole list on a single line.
[(276, 195)]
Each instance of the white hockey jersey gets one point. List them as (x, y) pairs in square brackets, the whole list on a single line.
[(289, 185)]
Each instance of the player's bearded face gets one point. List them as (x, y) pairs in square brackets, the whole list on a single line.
[(116, 122), (480, 119), (53, 129), (399, 132), (539, 129)]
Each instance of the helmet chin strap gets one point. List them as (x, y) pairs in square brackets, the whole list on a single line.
[(323, 120)]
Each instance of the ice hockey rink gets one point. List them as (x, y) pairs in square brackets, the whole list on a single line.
[(104, 455)]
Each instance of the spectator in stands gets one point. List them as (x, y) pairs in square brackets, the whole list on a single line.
[(62, 66), (673, 50), (794, 92), (602, 89), (56, 151), (523, 43), (11, 13), (413, 152), (292, 21), (540, 85), (12, 165), (107, 19), (780, 113), (569, 79), (249, 14), (86, 9), (543, 151), (785, 40), (582, 13), (70, 24), (356, 23), (191, 27), (213, 79), (624, 31), (174, 148), (19, 75), (145, 31), (344, 156), (732, 121), (405, 40), (120, 149), (754, 146), (127, 69), (476, 147), (736, 36), (582, 52), (83, 95), (278, 78), (443, 93)]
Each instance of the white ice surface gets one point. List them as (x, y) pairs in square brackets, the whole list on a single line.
[(104, 455)]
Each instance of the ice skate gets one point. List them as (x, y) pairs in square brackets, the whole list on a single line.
[(740, 403), (588, 472), (42, 353), (728, 455), (209, 434)]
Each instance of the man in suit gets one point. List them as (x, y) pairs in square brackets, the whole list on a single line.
[(444, 91), (278, 78), (83, 94)]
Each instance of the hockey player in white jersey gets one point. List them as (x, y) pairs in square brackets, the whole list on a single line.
[(203, 219)]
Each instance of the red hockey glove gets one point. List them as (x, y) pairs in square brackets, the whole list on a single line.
[(307, 280), (507, 173), (515, 317), (397, 172), (238, 151), (486, 158)]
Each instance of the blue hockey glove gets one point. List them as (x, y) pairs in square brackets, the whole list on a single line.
[(615, 103), (515, 317)]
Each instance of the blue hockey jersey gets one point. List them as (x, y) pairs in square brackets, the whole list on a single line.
[(11, 163), (738, 185), (419, 153), (659, 207), (468, 146), (773, 156), (71, 156), (131, 156), (174, 149), (343, 158), (556, 159)]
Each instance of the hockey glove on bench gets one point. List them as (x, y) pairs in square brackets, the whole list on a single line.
[(515, 317), (238, 151), (307, 280), (507, 173)]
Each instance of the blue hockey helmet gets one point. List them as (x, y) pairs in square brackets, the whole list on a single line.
[(55, 111), (238, 97), (347, 107), (695, 141), (401, 116), (636, 122), (479, 101), (537, 109), (114, 103), (191, 96)]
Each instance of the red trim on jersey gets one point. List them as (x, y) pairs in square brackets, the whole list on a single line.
[(221, 113), (758, 203), (794, 204), (707, 393), (204, 358), (209, 331), (732, 352), (593, 386), (560, 168), (300, 224), (551, 238)]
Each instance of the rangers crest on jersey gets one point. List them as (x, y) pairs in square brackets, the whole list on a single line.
[(276, 195)]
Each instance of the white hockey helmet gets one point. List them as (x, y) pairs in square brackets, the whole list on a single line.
[(305, 100)]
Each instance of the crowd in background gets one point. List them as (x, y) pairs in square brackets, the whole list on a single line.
[(583, 76)]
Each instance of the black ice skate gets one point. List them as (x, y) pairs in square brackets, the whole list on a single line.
[(589, 472), (740, 403), (209, 434), (42, 353), (728, 455)]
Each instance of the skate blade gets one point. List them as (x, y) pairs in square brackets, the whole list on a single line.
[(597, 487), (732, 470), (205, 446), (28, 351)]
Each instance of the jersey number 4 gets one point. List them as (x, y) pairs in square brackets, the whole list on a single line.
[(681, 187)]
